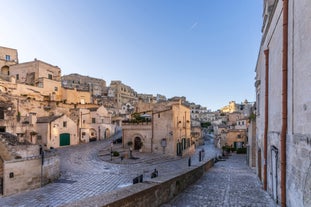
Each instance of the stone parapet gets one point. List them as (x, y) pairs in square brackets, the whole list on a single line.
[(152, 194)]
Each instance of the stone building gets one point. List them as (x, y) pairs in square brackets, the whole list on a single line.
[(169, 131), (121, 93), (8, 57), (230, 108), (95, 124), (31, 72), (95, 86), (284, 102), (57, 131), (75, 96), (243, 108), (23, 166), (242, 123), (236, 138), (201, 113), (43, 76)]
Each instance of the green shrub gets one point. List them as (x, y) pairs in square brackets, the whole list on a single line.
[(241, 151), (115, 153)]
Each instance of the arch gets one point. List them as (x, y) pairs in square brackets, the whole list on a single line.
[(92, 135), (5, 70), (137, 143)]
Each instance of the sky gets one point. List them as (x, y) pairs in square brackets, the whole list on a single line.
[(205, 50)]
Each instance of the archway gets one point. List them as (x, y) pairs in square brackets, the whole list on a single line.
[(137, 143), (5, 70), (92, 135)]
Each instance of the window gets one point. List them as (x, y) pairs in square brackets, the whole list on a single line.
[(93, 120), (7, 57), (55, 88), (17, 76), (159, 115), (64, 124), (50, 76)]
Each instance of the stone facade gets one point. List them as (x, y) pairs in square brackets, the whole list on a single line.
[(297, 122), (8, 57), (137, 134), (232, 107), (172, 123), (30, 72), (236, 138), (169, 131), (84, 83), (22, 167), (251, 144), (74, 96), (95, 124), (56, 131), (122, 93)]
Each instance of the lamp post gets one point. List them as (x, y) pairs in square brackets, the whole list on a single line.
[(111, 145)]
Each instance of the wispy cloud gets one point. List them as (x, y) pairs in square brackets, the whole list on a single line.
[(194, 25)]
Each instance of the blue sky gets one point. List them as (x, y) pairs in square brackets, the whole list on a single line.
[(205, 50)]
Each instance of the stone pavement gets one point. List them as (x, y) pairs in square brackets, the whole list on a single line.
[(229, 183), (87, 170)]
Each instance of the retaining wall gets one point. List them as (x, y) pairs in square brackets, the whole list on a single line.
[(152, 194)]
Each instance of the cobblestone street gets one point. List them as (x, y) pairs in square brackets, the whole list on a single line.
[(229, 183), (88, 170), (85, 174)]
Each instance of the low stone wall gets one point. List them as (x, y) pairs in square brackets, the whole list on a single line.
[(21, 175), (25, 174), (151, 194)]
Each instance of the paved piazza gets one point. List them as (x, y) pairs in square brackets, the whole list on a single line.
[(87, 170)]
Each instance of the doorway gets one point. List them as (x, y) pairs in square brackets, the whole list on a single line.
[(137, 143), (64, 139)]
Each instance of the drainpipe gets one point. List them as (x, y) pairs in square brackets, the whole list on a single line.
[(152, 130), (266, 119), (284, 102)]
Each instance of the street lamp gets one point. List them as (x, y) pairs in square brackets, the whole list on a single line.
[(111, 145)]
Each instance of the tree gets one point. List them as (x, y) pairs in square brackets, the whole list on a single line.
[(206, 124)]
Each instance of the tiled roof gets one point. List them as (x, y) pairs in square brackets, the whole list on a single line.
[(47, 119)]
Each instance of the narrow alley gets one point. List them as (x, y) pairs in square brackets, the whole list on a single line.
[(229, 183)]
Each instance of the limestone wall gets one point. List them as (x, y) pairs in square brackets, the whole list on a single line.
[(8, 51), (51, 168), (21, 175), (298, 137), (72, 96), (25, 174), (143, 131)]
